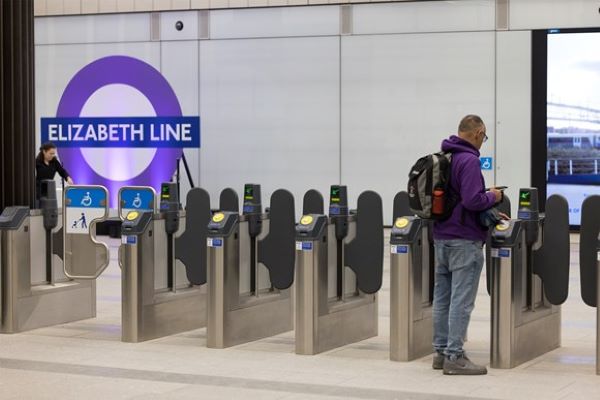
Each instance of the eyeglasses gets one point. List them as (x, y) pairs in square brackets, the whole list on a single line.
[(485, 138)]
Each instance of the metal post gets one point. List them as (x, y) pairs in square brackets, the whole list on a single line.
[(187, 170), (570, 167), (555, 167), (131, 292)]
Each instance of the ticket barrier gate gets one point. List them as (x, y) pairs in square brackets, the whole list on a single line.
[(250, 268), (412, 261), (529, 280), (38, 289), (339, 270), (589, 261), (160, 297)]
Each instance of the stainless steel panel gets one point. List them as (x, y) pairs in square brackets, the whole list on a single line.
[(235, 317), (57, 304), (518, 333), (411, 322), (353, 323), (307, 300), (15, 254), (323, 321), (148, 313), (160, 254), (25, 307), (503, 309)]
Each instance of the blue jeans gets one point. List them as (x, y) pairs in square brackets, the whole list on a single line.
[(458, 265)]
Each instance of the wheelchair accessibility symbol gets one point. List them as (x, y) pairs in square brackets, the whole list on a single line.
[(86, 201), (137, 201), (486, 163)]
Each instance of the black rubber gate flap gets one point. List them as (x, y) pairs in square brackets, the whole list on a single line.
[(277, 250), (504, 207), (551, 262), (190, 246), (364, 254), (57, 243), (228, 201), (590, 227), (313, 203), (401, 206)]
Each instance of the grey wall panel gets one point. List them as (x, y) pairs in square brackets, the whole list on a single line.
[(275, 22), (168, 28), (513, 111), (403, 94), (92, 29), (542, 14), (270, 111), (424, 16)]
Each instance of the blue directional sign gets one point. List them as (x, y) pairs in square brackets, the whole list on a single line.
[(487, 163)]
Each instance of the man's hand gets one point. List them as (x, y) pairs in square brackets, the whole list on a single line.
[(497, 193), (503, 216), (69, 180)]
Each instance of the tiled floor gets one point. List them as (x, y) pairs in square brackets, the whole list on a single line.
[(86, 360)]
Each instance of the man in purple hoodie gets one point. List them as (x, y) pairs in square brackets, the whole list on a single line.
[(458, 243)]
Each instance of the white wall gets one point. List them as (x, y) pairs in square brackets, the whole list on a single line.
[(270, 110), (513, 112), (543, 14), (402, 95), (286, 101)]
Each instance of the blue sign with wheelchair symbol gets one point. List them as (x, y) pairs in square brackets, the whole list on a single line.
[(486, 163), (137, 199), (84, 204)]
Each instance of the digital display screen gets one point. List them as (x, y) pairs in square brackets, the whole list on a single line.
[(165, 192), (525, 199), (249, 192), (573, 117), (335, 195)]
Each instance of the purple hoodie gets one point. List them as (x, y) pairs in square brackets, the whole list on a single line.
[(466, 180)]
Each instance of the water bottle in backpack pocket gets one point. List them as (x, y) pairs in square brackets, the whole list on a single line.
[(429, 187)]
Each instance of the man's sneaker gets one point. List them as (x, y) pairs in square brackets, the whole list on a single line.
[(438, 361), (463, 366)]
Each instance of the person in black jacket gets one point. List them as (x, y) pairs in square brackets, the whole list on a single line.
[(46, 167)]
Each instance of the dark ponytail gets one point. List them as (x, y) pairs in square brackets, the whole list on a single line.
[(44, 147)]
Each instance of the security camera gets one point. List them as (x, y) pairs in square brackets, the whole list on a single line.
[(179, 25)]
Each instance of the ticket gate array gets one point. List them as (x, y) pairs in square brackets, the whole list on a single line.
[(38, 288), (529, 280), (412, 261), (162, 274), (339, 270), (250, 268), (589, 261)]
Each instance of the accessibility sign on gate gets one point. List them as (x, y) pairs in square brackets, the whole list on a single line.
[(486, 163), (83, 205), (136, 199)]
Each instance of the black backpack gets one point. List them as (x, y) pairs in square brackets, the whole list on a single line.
[(429, 192)]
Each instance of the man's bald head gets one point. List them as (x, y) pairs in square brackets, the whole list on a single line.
[(472, 129), (470, 124)]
